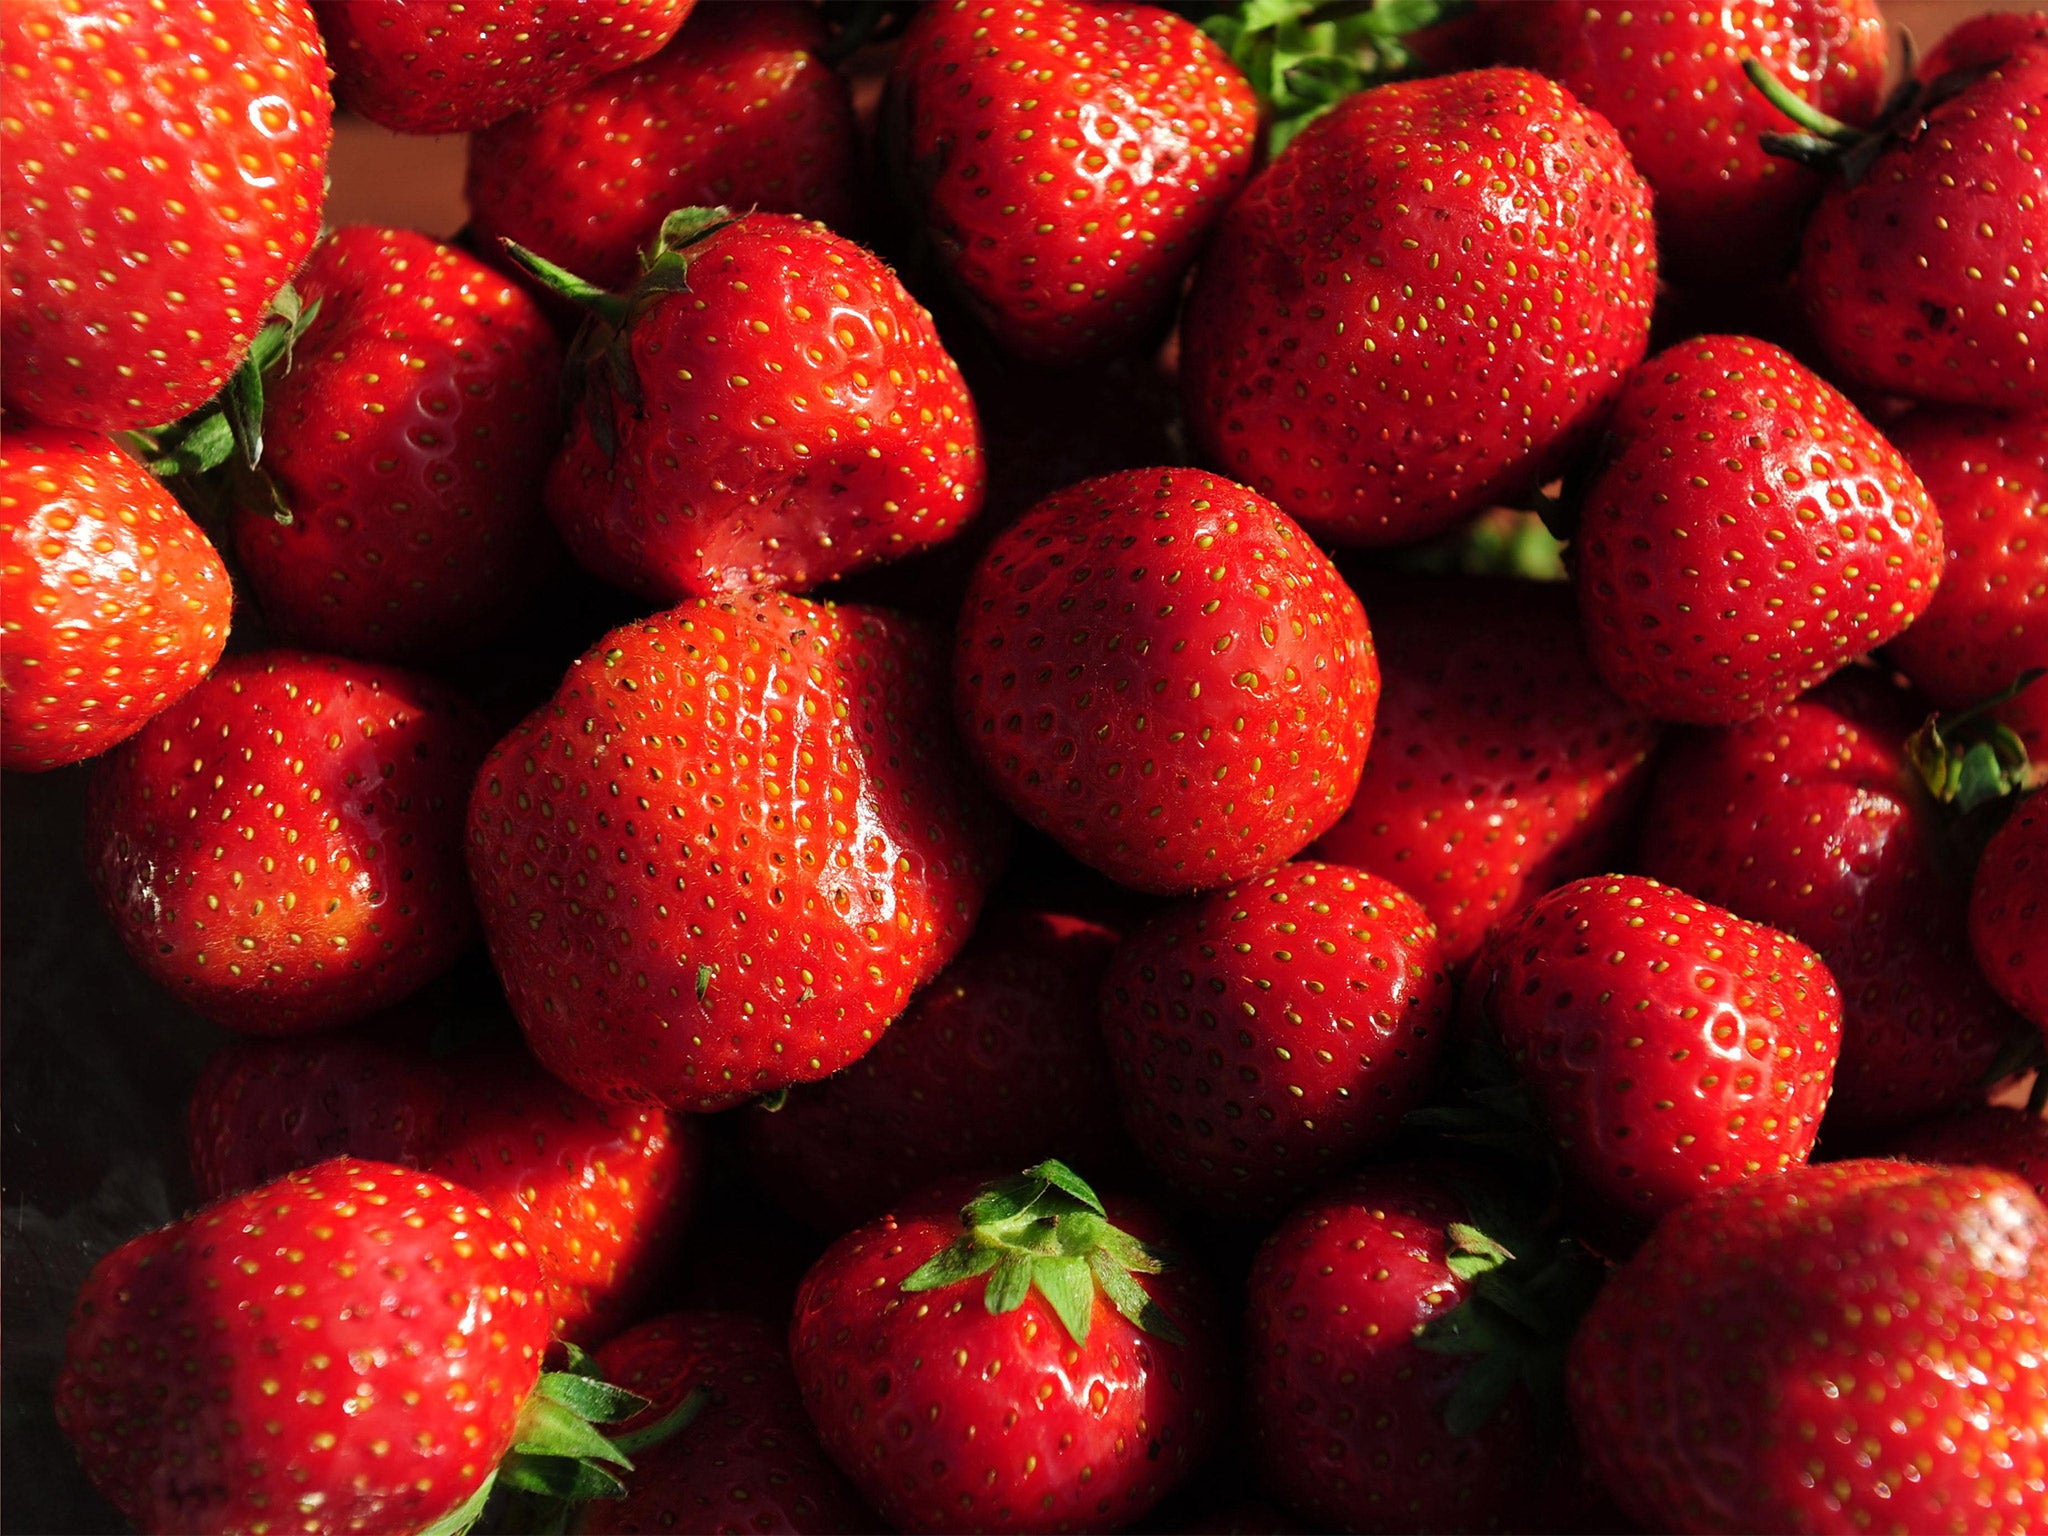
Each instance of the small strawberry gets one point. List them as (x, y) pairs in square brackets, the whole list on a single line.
[(1269, 1035), (162, 171), (1845, 1347), (1068, 1393), (1988, 1136), (1425, 305), (1162, 671), (724, 855), (2009, 910), (116, 604), (1988, 38), (1745, 534), (282, 848)]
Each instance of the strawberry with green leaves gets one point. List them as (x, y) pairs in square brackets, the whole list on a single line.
[(2009, 910)]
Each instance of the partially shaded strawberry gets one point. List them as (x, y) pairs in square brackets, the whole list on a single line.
[(2009, 910), (1988, 1136), (1987, 38)]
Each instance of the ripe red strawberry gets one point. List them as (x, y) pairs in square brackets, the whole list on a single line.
[(1159, 669), (1746, 534), (996, 1062), (1068, 1393), (116, 603), (1844, 1347), (741, 108), (282, 848), (162, 172), (724, 855), (2009, 910), (453, 69), (1425, 305), (1988, 1136), (1501, 765), (408, 441), (1269, 1035), (1988, 38), (1066, 161)]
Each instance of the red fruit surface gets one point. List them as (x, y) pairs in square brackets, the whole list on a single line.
[(1501, 765), (725, 854), (357, 1333), (116, 604), (1746, 534), (1843, 1347), (1988, 1136), (282, 849), (162, 169), (1269, 1035), (1986, 38), (2009, 910), (1162, 671), (1424, 306)]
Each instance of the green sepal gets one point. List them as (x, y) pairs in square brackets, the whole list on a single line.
[(1967, 758), (561, 1477), (590, 1398), (1829, 144), (466, 1514), (552, 1430), (670, 1424)]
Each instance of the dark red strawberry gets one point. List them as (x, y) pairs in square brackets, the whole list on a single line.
[(1161, 670), (2009, 910), (282, 849), (1069, 1391), (1501, 765), (116, 604), (1425, 305), (1746, 534), (1852, 1346), (721, 859), (162, 171), (1269, 1035), (1987, 38), (1988, 1136)]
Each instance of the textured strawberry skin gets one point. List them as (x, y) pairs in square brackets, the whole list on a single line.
[(163, 172), (282, 850), (1790, 1355), (1987, 1136), (1162, 671), (1746, 534), (116, 604), (349, 1346), (1985, 39), (1395, 328), (2009, 910)]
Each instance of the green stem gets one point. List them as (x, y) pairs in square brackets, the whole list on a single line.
[(601, 302), (1798, 108)]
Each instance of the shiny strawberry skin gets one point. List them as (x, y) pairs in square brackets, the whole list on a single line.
[(282, 850), (1747, 533), (1360, 347), (1986, 38), (408, 439), (2009, 910), (453, 69), (811, 850), (116, 604), (349, 1348), (1842, 1347), (163, 171), (1066, 160), (1987, 1136), (1270, 1035), (1159, 669), (1501, 765), (740, 110)]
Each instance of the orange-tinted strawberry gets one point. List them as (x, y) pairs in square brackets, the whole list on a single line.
[(1987, 1136), (2009, 910)]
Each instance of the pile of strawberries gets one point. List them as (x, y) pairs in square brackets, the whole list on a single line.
[(1390, 645)]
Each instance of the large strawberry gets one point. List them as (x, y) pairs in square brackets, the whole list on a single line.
[(1745, 534), (1426, 304), (1990, 37), (1267, 1036), (116, 605), (2009, 910), (1845, 1347), (1501, 765), (1068, 1390), (1161, 670), (283, 848), (1988, 1136), (162, 172), (724, 855)]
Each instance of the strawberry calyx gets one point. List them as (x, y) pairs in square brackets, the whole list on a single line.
[(1969, 759), (1045, 1230), (1827, 143)]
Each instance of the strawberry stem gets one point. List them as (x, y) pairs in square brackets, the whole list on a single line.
[(603, 303), (1798, 108)]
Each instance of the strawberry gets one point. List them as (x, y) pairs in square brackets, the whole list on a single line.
[(2009, 910), (1987, 1136), (1268, 1036), (1501, 765), (1177, 725), (1843, 1347), (282, 849), (453, 69), (741, 108), (995, 1062), (1066, 161), (1071, 1392), (724, 855), (162, 172), (1988, 38), (116, 603), (1397, 327), (1669, 1046), (1745, 534)]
